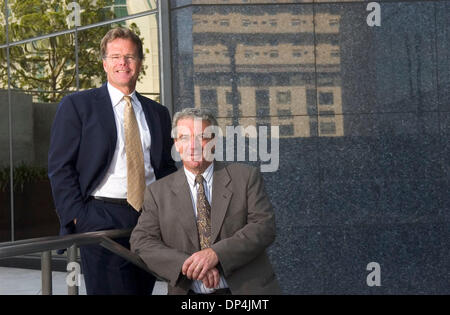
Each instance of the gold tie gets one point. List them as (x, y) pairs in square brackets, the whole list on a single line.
[(203, 215), (135, 158)]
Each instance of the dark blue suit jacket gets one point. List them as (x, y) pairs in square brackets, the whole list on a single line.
[(83, 140)]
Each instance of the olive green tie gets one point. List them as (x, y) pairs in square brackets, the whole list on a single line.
[(203, 215), (135, 158)]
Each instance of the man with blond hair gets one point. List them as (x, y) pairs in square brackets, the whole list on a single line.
[(106, 145)]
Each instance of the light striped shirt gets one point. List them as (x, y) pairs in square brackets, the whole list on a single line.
[(197, 285)]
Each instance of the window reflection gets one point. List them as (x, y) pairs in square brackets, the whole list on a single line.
[(43, 68), (272, 58)]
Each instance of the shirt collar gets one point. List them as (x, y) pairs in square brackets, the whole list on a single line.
[(207, 175), (117, 96)]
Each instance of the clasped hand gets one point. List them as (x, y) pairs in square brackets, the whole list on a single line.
[(202, 266)]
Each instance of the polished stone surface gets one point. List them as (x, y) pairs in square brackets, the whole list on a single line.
[(391, 68), (333, 260), (364, 124), (443, 51), (330, 227)]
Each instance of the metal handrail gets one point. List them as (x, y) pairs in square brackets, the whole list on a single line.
[(35, 245), (71, 242)]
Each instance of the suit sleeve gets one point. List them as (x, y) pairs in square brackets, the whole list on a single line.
[(146, 241), (253, 238), (64, 146)]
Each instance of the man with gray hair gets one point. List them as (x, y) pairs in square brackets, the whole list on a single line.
[(205, 228)]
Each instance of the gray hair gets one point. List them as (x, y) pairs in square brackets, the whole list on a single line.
[(193, 113)]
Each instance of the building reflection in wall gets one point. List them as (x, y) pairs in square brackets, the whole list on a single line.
[(269, 66)]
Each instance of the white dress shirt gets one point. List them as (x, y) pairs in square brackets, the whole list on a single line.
[(114, 184), (197, 285)]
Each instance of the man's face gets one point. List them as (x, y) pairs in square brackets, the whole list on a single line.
[(193, 144), (122, 64)]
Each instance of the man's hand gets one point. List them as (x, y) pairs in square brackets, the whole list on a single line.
[(196, 266), (211, 279)]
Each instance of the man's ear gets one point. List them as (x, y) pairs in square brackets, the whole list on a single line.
[(177, 144), (141, 63)]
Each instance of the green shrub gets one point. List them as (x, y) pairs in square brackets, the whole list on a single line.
[(22, 174)]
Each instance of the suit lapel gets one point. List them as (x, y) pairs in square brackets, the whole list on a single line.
[(106, 114), (154, 125), (221, 197), (103, 114), (185, 211)]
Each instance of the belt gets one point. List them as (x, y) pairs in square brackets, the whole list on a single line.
[(117, 201), (225, 291)]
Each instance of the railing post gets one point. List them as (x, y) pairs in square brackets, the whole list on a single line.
[(72, 288), (46, 269)]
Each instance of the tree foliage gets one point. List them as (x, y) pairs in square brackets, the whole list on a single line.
[(50, 64)]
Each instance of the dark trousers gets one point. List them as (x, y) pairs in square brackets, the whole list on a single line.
[(104, 272)]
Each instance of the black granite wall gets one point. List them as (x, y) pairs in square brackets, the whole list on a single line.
[(373, 188)]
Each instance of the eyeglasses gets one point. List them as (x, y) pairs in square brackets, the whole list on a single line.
[(197, 138), (118, 58)]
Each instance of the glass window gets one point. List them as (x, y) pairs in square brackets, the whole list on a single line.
[(287, 130), (42, 72), (262, 101), (44, 69), (326, 98), (295, 22), (335, 53), (328, 128), (326, 112), (120, 11), (208, 98), (284, 112), (29, 18), (5, 194), (2, 23), (149, 80), (224, 22), (110, 9), (296, 53), (284, 97), (229, 97), (334, 22), (273, 53)]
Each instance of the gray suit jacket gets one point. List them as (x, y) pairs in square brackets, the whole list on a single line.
[(242, 227)]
